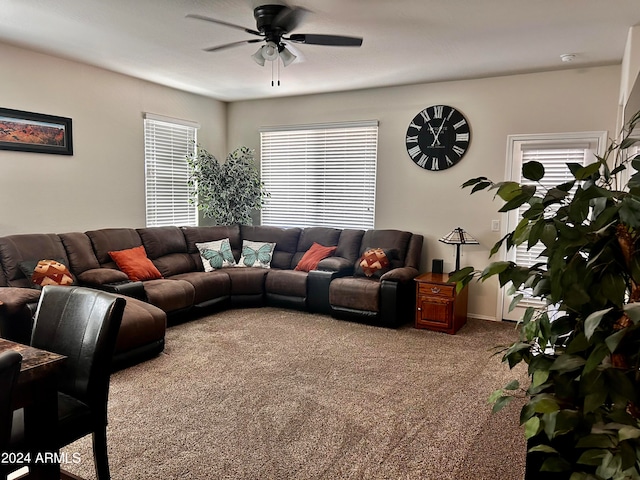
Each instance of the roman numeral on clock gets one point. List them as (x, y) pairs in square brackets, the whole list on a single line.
[(459, 124), (438, 111), (414, 151), (412, 138)]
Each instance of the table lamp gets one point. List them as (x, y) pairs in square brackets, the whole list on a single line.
[(458, 237)]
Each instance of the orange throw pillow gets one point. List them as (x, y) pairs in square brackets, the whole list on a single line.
[(135, 263), (312, 257)]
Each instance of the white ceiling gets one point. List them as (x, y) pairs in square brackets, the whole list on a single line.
[(405, 41)]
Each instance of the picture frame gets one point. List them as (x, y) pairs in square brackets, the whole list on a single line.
[(35, 132)]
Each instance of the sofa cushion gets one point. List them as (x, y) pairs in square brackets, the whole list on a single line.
[(47, 272), (286, 240), (388, 239), (310, 235), (111, 240), (79, 251), (207, 285), (357, 293), (247, 281), (290, 283), (102, 276), (170, 295), (312, 257), (135, 263), (256, 254), (15, 249), (216, 254), (160, 241)]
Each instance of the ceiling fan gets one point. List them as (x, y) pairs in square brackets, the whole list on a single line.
[(274, 26)]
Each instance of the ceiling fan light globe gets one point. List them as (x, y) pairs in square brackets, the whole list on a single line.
[(287, 57), (258, 58), (270, 51)]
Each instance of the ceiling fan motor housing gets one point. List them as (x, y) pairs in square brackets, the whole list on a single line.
[(265, 15)]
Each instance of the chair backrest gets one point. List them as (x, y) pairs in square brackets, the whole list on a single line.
[(82, 324), (9, 370)]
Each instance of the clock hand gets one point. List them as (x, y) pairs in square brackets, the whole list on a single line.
[(438, 134), (435, 136)]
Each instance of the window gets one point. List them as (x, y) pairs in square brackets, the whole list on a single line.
[(554, 151), (167, 142), (320, 175)]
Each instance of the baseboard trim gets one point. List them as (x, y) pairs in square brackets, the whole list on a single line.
[(483, 317)]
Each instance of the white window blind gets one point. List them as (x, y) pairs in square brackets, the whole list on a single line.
[(320, 175), (167, 142), (556, 172), (554, 151)]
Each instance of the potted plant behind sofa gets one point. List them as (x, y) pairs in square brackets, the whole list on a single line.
[(582, 415), (226, 192)]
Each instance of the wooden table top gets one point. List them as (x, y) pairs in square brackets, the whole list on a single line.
[(35, 362)]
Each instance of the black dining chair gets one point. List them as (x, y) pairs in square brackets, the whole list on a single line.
[(81, 324), (9, 369)]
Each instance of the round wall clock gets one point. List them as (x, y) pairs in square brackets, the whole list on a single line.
[(438, 137)]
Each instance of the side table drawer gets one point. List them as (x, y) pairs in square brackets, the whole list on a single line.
[(432, 289)]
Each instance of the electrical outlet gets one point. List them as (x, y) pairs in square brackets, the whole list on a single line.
[(495, 225)]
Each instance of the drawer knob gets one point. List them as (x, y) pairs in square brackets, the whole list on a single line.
[(419, 309), (435, 290)]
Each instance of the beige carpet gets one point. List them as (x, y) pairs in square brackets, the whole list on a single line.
[(278, 394)]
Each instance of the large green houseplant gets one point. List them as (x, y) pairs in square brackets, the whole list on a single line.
[(582, 410), (227, 192)]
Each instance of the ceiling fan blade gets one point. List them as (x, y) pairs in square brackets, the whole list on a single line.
[(289, 18), (233, 44), (330, 40), (220, 22)]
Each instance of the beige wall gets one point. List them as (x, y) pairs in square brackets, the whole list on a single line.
[(102, 184), (432, 203)]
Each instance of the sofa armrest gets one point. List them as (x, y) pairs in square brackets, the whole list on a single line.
[(113, 281), (100, 276), (318, 283), (402, 274), (339, 265), (17, 306), (14, 299), (128, 288)]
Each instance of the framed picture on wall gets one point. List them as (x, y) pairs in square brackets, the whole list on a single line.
[(35, 132)]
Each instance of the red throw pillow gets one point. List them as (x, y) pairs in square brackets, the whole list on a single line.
[(135, 263), (312, 257)]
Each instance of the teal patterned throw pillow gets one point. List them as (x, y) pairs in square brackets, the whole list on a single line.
[(216, 254), (256, 254)]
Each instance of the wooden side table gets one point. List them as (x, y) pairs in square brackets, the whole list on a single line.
[(438, 306)]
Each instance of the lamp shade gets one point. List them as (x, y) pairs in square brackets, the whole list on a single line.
[(270, 51), (258, 58), (458, 236), (286, 56)]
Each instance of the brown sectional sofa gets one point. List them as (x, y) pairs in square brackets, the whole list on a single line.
[(332, 288)]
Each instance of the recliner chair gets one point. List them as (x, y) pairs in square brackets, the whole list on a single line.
[(386, 297)]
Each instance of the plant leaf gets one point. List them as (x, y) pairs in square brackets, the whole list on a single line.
[(533, 171), (592, 322)]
